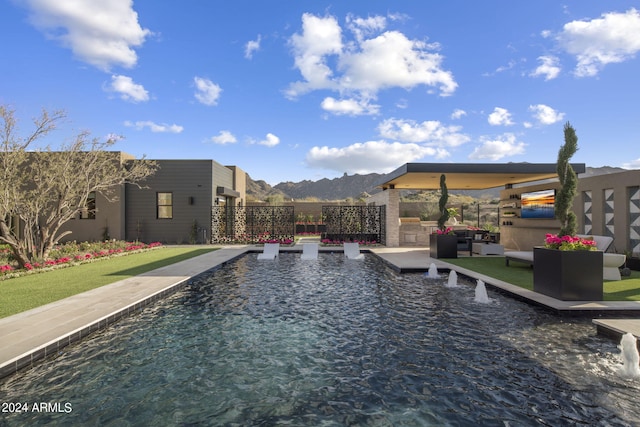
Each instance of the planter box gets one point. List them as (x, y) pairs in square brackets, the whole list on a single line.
[(443, 246), (568, 275)]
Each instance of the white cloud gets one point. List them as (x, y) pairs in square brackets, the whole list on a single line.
[(548, 68), (368, 157), (500, 117), (154, 127), (320, 37), (207, 92), (252, 46), (362, 27), (224, 137), (495, 149), (612, 38), (102, 33), (633, 164), (458, 114), (402, 104), (392, 60), (545, 115), (512, 63), (430, 132), (270, 141), (364, 65), (350, 107), (128, 90)]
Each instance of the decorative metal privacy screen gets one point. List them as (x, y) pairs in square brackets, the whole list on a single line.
[(354, 223), (252, 224)]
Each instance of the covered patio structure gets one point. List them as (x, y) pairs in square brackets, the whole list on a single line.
[(460, 176)]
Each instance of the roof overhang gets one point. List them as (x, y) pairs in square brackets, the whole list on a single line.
[(227, 192), (469, 176)]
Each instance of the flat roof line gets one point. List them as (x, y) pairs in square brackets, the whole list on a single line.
[(462, 176)]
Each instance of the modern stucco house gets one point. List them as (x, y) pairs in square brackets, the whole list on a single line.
[(171, 206)]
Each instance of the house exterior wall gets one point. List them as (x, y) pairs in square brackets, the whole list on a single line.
[(239, 184), (222, 176), (614, 204), (108, 221), (191, 183)]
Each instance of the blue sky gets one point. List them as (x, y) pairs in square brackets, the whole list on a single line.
[(294, 90)]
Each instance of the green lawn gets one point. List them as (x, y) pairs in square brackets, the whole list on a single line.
[(519, 274), (33, 290)]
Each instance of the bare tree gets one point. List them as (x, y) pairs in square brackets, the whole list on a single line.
[(41, 189)]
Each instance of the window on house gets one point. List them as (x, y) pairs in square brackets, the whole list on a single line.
[(165, 205), (89, 212)]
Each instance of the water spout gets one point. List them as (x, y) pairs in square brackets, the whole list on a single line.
[(481, 293), (452, 282), (433, 271), (629, 355)]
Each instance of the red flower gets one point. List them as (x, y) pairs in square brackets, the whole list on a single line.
[(569, 243)]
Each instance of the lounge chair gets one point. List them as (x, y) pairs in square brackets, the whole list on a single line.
[(520, 256), (352, 251), (270, 251), (309, 251)]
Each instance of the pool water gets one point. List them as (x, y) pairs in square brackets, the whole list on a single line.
[(332, 342)]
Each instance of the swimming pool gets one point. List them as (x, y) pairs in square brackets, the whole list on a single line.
[(331, 342)]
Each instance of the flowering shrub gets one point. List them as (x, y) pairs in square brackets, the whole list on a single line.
[(281, 241), (340, 242), (569, 243), (72, 252), (447, 230)]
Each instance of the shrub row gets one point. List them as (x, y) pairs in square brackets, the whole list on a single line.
[(72, 253)]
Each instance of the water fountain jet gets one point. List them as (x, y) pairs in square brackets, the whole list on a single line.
[(630, 357), (452, 282), (481, 293), (433, 271)]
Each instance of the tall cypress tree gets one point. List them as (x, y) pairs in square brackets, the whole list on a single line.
[(442, 203), (568, 183)]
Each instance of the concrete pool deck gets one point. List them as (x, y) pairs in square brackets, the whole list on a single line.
[(44, 331)]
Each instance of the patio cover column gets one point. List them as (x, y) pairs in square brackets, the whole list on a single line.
[(391, 199)]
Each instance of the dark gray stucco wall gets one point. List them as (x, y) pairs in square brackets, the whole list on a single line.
[(193, 188)]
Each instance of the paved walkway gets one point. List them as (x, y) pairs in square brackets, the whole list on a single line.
[(41, 332)]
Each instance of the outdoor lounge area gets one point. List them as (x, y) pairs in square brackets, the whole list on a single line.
[(607, 208)]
